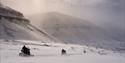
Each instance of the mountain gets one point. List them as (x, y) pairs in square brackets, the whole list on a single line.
[(74, 30), (14, 26)]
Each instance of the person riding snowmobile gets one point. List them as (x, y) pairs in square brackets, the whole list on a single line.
[(25, 50), (63, 51)]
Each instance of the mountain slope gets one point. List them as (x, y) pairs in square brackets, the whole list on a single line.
[(9, 30), (70, 29), (14, 26)]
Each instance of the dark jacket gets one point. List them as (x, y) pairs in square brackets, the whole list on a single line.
[(25, 50)]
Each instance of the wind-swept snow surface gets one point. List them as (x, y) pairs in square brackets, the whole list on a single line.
[(9, 53)]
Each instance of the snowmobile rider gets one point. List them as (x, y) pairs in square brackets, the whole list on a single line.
[(25, 50), (63, 51)]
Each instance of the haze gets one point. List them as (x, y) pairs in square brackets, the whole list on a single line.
[(101, 12)]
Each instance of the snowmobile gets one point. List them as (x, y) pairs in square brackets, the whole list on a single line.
[(63, 52), (25, 55), (25, 51)]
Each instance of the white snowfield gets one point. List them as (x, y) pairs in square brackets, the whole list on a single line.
[(51, 53)]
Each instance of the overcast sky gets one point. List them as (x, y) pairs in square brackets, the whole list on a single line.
[(100, 11)]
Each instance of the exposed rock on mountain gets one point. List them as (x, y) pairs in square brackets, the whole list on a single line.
[(14, 26)]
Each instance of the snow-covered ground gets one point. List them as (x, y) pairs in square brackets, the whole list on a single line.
[(51, 53)]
